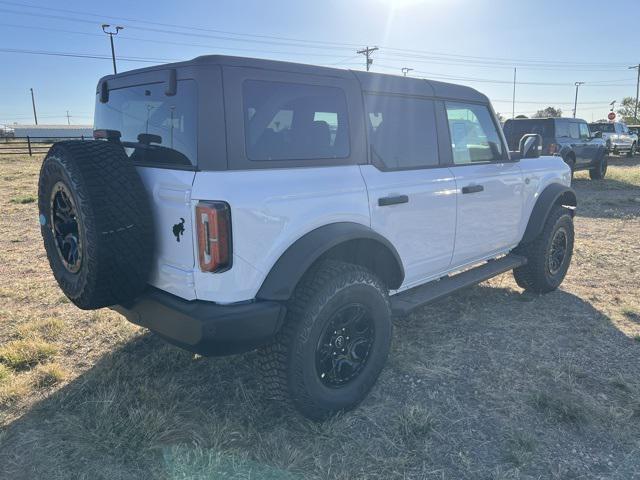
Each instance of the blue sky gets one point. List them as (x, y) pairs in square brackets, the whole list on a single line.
[(473, 42)]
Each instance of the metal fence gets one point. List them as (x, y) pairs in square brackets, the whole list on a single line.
[(31, 145)]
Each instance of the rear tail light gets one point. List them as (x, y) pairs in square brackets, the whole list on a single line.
[(213, 222), (553, 148)]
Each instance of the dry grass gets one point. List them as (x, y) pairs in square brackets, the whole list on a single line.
[(23, 354), (490, 383)]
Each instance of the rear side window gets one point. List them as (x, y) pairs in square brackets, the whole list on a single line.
[(474, 137), (402, 132), (574, 131), (562, 129), (154, 128), (289, 121)]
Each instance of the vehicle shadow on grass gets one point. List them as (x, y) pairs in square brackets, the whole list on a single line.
[(482, 384)]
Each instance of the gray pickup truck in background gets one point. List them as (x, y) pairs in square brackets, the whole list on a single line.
[(617, 137)]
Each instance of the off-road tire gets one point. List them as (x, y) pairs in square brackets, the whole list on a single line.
[(632, 151), (535, 275), (600, 170), (288, 363), (114, 222)]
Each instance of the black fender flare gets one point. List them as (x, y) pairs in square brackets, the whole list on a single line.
[(554, 194), (285, 274)]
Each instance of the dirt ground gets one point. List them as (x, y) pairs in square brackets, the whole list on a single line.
[(490, 383)]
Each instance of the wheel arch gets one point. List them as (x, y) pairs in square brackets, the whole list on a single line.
[(346, 241), (553, 195)]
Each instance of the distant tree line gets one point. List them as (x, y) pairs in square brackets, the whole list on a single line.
[(625, 111)]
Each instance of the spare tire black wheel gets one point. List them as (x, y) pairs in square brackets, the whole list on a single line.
[(96, 223)]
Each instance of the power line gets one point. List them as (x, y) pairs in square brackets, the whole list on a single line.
[(497, 62), (87, 55), (184, 44)]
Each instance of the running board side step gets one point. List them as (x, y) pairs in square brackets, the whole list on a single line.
[(402, 303)]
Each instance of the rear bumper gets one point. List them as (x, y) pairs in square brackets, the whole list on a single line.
[(205, 327)]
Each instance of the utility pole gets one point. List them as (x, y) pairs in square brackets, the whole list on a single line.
[(513, 102), (68, 120), (635, 110), (105, 26), (367, 53), (406, 70), (33, 104), (575, 103)]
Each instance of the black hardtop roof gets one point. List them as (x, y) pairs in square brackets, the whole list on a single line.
[(370, 81)]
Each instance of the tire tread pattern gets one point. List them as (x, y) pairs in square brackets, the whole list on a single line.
[(114, 207), (316, 288)]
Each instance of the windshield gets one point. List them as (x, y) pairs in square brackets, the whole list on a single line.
[(602, 127), (155, 128)]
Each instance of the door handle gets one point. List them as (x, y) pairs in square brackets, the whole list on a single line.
[(472, 189), (394, 200)]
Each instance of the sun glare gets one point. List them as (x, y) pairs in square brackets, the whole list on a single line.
[(402, 3)]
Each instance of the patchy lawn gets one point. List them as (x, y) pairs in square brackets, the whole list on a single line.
[(490, 383)]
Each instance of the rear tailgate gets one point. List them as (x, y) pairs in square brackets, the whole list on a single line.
[(170, 196)]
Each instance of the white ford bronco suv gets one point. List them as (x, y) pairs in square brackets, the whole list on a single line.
[(231, 204)]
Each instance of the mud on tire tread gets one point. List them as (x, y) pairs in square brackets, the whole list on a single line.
[(533, 276), (115, 218), (281, 361)]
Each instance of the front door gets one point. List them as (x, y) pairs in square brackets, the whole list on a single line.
[(489, 187)]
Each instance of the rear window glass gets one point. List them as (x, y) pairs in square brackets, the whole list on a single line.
[(289, 121), (602, 127), (155, 128), (514, 130), (402, 131)]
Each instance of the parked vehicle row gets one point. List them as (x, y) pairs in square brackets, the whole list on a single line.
[(232, 204)]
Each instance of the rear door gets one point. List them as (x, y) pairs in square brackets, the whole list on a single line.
[(489, 187), (577, 142), (590, 148), (411, 196), (159, 134)]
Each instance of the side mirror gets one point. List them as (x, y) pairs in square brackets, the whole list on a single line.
[(530, 145), (596, 134)]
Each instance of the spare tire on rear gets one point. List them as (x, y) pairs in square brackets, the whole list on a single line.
[(96, 223)]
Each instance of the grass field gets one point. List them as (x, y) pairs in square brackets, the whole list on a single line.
[(490, 383)]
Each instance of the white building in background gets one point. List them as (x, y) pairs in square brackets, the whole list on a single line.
[(52, 131)]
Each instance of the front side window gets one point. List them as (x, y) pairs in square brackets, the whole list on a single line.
[(289, 121), (584, 131), (154, 128), (474, 137), (402, 132)]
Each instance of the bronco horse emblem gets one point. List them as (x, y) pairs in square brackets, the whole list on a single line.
[(178, 229)]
